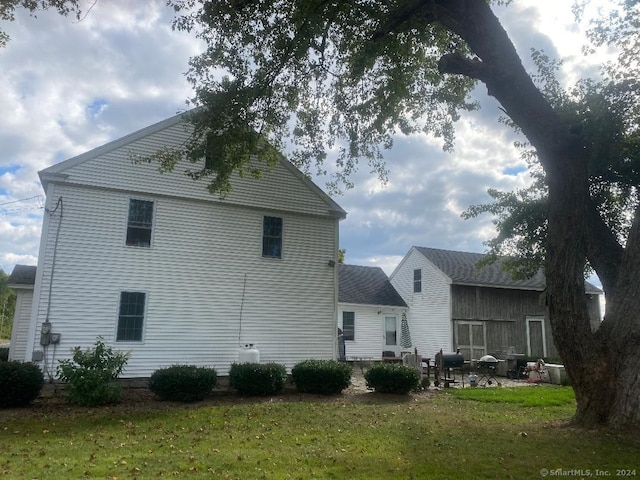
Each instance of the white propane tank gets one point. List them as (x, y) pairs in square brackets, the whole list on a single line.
[(249, 354)]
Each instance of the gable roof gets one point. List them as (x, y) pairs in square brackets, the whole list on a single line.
[(366, 286), (60, 171), (22, 276), (462, 269)]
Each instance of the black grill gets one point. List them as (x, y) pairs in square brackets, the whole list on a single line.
[(448, 368)]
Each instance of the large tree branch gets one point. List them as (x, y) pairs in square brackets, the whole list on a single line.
[(604, 252), (455, 63)]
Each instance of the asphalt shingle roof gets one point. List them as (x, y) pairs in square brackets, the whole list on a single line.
[(367, 286), (462, 268), (23, 275)]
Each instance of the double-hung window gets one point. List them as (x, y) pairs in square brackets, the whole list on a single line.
[(417, 280), (272, 237), (140, 222), (131, 317), (349, 325)]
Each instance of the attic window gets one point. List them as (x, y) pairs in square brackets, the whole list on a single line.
[(417, 280), (139, 223), (272, 237)]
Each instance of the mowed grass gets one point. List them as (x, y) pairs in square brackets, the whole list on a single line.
[(470, 434)]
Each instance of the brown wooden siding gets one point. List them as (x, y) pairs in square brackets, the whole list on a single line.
[(504, 313), (481, 303)]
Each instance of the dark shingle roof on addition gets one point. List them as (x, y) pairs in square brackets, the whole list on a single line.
[(367, 286), (462, 269), (23, 275)]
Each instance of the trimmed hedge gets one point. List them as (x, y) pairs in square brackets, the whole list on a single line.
[(258, 379), (4, 354), (327, 377), (183, 383), (392, 378), (20, 383)]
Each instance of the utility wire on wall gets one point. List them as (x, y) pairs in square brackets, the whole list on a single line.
[(53, 266), (55, 251)]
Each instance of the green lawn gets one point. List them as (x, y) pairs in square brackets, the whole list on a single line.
[(484, 434)]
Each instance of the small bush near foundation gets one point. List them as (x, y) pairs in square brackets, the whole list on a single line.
[(20, 383), (258, 379), (392, 378), (327, 377), (4, 354), (183, 383), (91, 375)]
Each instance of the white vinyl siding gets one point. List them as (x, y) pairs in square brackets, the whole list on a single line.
[(208, 288), (429, 310), (20, 330), (369, 329), (278, 189)]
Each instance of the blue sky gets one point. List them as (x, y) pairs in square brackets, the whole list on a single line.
[(71, 86)]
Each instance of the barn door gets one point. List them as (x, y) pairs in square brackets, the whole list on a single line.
[(470, 339), (536, 343)]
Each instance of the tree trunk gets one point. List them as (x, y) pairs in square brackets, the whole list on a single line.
[(602, 366)]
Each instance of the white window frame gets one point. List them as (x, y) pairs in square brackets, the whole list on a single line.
[(417, 282), (353, 314), (153, 222), (144, 315), (544, 335)]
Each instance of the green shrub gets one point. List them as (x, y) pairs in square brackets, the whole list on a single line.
[(4, 354), (327, 377), (392, 378), (91, 375), (183, 383), (258, 379), (20, 383)]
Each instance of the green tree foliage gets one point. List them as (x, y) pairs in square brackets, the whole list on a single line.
[(8, 8), (316, 75), (603, 113)]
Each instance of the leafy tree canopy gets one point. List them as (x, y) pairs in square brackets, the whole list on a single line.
[(604, 113), (8, 8), (315, 76)]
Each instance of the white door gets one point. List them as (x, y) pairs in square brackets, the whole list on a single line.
[(391, 335)]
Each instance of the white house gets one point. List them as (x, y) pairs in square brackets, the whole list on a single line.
[(156, 265), (369, 312), (21, 280), (454, 304)]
